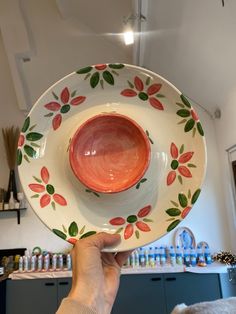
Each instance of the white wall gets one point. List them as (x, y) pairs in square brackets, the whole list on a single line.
[(192, 44), (59, 46)]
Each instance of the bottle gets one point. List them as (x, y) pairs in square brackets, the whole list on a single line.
[(33, 263), (11, 201), (151, 257), (46, 262), (60, 262), (162, 256), (21, 264), (200, 257), (207, 255), (132, 260), (68, 261), (186, 257), (142, 260), (136, 258), (172, 256), (193, 257), (54, 262), (25, 263), (179, 256), (157, 256), (40, 263), (146, 253)]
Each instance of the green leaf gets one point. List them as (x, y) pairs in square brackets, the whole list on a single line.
[(114, 72), (147, 132), (55, 96), (37, 179), (138, 186), (181, 150), (65, 108), (64, 228), (108, 77), (73, 229), (53, 205), (195, 196), (88, 191), (116, 65), (160, 96), (189, 194), (33, 136), (180, 105), (49, 114), (87, 76), (59, 233), (102, 84), (82, 230), (175, 204), (84, 70), (151, 141), (26, 125), (148, 80), (30, 151), (185, 101), (94, 79), (87, 234), (173, 225), (200, 129), (73, 93), (189, 125), (32, 127), (130, 84), (143, 180), (119, 230), (180, 179), (183, 200), (35, 196), (194, 131), (26, 158), (147, 220), (191, 166), (173, 211), (137, 234), (184, 113), (182, 121), (96, 194), (35, 145), (19, 157)]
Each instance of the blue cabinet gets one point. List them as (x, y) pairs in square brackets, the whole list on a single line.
[(35, 295), (140, 294)]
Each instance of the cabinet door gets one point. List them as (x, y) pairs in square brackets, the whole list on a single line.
[(228, 288), (190, 288), (63, 288), (140, 294), (31, 296)]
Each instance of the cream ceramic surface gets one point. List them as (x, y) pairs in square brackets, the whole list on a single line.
[(168, 189)]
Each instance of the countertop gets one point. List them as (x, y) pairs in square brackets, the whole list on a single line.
[(213, 268)]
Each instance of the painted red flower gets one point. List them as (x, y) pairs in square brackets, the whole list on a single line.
[(62, 105), (46, 191), (145, 92), (180, 164), (133, 221)]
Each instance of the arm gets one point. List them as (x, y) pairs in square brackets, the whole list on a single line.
[(96, 275)]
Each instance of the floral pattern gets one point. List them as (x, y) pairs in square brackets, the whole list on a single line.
[(72, 234), (179, 164), (181, 208), (100, 73), (139, 221), (27, 142), (145, 92), (190, 118), (46, 191), (61, 105)]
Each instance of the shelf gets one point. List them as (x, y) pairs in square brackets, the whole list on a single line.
[(14, 210)]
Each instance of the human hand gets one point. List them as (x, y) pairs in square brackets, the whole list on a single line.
[(96, 274)]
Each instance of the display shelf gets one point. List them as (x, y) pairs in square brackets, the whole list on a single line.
[(18, 210)]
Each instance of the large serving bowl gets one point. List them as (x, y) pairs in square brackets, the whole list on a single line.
[(156, 183)]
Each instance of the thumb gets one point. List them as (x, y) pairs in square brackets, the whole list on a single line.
[(101, 240)]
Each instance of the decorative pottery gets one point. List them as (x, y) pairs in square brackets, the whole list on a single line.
[(143, 210), (109, 153)]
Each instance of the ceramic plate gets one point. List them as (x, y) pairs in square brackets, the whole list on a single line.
[(163, 196)]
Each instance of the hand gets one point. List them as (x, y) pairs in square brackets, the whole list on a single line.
[(96, 274)]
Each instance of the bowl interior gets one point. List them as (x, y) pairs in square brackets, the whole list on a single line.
[(109, 153)]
